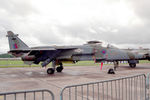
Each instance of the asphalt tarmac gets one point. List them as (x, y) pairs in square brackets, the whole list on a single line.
[(16, 79)]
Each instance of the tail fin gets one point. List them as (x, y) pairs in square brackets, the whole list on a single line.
[(14, 42)]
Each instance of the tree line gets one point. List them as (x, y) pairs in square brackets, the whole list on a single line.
[(6, 55)]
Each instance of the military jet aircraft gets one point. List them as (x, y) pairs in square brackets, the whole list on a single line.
[(91, 51)]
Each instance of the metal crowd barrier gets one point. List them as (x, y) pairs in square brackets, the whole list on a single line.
[(148, 86), (28, 95), (127, 88), (135, 87)]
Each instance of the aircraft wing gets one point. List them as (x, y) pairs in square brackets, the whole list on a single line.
[(56, 49), (46, 55), (27, 50), (39, 49), (20, 52)]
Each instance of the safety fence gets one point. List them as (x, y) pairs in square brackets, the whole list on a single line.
[(28, 95), (135, 87), (148, 86), (127, 88)]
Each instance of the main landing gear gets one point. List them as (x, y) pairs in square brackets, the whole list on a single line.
[(58, 69), (50, 71), (132, 65)]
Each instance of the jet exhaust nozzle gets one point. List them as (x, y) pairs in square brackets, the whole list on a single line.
[(28, 58)]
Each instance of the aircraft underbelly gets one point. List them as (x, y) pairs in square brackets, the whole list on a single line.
[(110, 54), (114, 54)]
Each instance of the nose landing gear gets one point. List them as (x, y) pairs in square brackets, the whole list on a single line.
[(112, 70)]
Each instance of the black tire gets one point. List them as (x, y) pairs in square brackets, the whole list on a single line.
[(50, 71), (133, 65), (111, 71), (59, 69)]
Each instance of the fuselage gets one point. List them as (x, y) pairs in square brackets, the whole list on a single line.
[(86, 52)]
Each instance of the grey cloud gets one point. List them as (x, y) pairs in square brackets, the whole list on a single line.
[(17, 7), (14, 16), (14, 12), (112, 34), (141, 8)]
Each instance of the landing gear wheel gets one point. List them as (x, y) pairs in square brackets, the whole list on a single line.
[(111, 71), (59, 69), (132, 65), (50, 71)]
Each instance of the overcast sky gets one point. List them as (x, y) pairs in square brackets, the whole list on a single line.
[(125, 23)]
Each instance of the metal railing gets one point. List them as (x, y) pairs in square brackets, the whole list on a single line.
[(127, 88), (148, 86), (28, 95)]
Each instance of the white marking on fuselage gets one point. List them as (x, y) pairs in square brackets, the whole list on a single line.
[(79, 50)]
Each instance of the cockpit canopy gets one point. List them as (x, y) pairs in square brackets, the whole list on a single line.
[(103, 44), (94, 42)]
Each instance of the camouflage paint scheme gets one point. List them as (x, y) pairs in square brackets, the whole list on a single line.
[(93, 50)]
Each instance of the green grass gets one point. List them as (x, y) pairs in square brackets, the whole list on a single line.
[(144, 61), (19, 63), (6, 62), (83, 63), (16, 63)]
